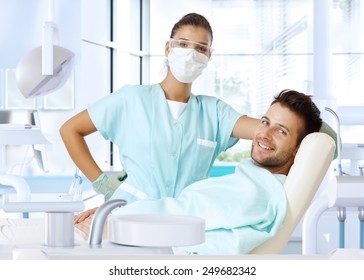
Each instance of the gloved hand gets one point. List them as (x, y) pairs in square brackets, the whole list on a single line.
[(325, 128), (107, 185)]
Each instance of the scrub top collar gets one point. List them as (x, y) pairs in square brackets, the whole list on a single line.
[(185, 112)]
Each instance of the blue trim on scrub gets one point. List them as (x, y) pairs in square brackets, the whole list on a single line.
[(217, 171)]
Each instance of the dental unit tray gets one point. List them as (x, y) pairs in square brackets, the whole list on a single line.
[(59, 214), (44, 206)]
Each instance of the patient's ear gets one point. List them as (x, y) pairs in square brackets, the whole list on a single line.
[(296, 150)]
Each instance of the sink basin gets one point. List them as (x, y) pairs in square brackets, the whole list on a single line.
[(156, 230)]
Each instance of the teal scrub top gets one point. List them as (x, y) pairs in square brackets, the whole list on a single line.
[(160, 154), (241, 210)]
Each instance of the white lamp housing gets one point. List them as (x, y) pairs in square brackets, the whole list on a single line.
[(29, 78)]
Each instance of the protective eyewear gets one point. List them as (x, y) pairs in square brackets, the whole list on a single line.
[(185, 44)]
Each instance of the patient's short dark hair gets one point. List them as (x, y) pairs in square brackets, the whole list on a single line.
[(304, 107)]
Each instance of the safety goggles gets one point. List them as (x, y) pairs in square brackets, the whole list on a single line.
[(186, 44)]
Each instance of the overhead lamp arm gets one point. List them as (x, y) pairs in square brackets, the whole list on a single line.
[(49, 37), (47, 47)]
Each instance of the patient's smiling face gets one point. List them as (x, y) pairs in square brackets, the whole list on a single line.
[(275, 141)]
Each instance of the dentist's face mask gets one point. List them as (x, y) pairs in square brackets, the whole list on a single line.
[(187, 59)]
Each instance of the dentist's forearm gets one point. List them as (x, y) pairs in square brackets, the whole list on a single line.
[(244, 127), (73, 133), (81, 156)]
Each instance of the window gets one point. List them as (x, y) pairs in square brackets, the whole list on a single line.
[(127, 37), (348, 52)]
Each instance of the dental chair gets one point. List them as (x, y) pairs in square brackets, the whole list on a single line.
[(311, 163)]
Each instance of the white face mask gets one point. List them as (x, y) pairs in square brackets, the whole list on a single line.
[(186, 64)]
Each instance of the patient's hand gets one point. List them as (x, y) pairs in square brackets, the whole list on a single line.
[(85, 227), (84, 215)]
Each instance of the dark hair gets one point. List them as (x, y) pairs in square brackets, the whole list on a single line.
[(193, 19), (303, 106)]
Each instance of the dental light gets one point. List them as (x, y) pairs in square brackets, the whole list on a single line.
[(45, 68), (30, 80)]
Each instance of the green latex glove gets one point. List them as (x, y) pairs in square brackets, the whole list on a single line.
[(325, 128), (107, 184)]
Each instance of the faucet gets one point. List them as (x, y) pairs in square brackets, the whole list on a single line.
[(98, 221)]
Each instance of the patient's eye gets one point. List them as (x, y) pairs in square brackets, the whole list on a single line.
[(282, 131), (265, 122)]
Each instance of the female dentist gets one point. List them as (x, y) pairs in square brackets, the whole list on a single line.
[(168, 137)]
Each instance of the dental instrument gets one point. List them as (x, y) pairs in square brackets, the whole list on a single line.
[(361, 215), (361, 230), (341, 216), (75, 189)]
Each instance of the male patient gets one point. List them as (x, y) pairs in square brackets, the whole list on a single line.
[(241, 210)]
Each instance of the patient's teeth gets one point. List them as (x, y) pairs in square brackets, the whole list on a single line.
[(263, 146)]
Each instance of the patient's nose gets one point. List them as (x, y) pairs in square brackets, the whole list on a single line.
[(267, 132)]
